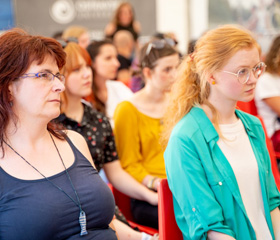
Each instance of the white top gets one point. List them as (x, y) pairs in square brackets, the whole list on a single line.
[(268, 86), (237, 149), (116, 92)]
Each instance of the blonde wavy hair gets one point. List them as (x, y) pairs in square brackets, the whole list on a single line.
[(212, 51)]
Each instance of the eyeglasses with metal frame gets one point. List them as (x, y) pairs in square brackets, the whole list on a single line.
[(46, 76), (243, 74)]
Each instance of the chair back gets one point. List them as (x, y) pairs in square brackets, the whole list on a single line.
[(248, 107), (272, 155), (123, 203), (168, 228)]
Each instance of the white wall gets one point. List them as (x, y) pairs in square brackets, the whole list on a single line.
[(198, 12), (172, 16)]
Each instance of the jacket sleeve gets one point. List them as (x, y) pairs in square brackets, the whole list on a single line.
[(128, 141), (195, 206)]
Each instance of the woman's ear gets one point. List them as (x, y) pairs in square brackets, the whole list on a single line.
[(211, 79), (147, 72), (10, 92)]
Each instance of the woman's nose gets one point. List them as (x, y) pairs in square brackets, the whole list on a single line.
[(58, 85)]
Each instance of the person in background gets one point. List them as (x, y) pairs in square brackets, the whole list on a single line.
[(138, 124), (267, 98), (123, 19), (107, 94), (95, 128), (217, 164), (124, 43), (49, 187), (77, 32)]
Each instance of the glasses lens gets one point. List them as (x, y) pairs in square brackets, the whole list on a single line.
[(170, 41), (45, 75), (60, 77), (158, 44), (259, 69), (243, 75)]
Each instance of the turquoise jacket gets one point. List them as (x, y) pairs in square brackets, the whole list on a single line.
[(205, 191)]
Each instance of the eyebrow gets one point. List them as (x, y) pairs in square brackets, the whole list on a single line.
[(48, 70)]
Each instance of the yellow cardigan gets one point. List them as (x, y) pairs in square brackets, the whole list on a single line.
[(137, 141)]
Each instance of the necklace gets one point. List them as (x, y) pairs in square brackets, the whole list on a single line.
[(82, 217)]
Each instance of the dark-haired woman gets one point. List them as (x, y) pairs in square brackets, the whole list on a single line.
[(49, 188), (267, 96), (107, 94), (138, 123)]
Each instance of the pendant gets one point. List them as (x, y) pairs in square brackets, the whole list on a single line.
[(83, 223)]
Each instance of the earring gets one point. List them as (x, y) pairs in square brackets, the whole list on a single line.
[(11, 103), (213, 82)]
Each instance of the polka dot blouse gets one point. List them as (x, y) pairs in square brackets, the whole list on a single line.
[(97, 131)]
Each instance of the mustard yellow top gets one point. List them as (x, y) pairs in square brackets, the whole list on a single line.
[(137, 141)]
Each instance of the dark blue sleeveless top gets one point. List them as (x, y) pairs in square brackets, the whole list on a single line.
[(36, 210)]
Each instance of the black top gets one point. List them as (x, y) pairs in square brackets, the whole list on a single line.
[(127, 28), (36, 210), (125, 63), (96, 129)]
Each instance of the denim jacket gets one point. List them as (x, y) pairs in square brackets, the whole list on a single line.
[(205, 191)]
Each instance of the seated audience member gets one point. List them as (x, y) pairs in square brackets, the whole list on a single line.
[(138, 124), (267, 96), (78, 32), (123, 19), (217, 164), (107, 94), (49, 187), (95, 127), (124, 43)]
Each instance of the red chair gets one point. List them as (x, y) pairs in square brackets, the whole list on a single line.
[(248, 107), (123, 202), (168, 228), (272, 155)]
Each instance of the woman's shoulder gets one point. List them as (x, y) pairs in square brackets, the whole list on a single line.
[(137, 26), (76, 138), (195, 122), (110, 29), (80, 143), (126, 106)]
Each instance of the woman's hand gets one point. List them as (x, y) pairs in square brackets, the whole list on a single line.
[(152, 198)]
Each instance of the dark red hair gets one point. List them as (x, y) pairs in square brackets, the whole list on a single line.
[(18, 50)]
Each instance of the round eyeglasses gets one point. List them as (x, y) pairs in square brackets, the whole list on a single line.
[(45, 76), (243, 74)]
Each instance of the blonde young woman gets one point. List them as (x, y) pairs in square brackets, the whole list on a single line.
[(80, 33), (217, 164), (138, 124)]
